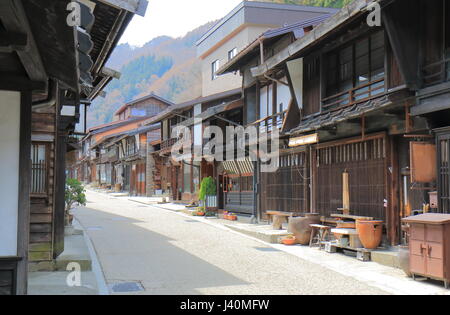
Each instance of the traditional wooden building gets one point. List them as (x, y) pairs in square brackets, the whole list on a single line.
[(221, 103), (48, 67), (114, 155), (268, 106), (150, 105), (353, 87)]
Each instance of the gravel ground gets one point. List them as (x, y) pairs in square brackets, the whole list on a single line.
[(171, 254)]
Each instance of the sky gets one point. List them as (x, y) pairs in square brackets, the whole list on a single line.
[(174, 18)]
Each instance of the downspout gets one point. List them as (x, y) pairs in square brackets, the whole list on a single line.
[(51, 97)]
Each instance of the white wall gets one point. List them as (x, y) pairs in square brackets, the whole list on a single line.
[(228, 81), (9, 170)]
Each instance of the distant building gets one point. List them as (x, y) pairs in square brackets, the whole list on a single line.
[(149, 105)]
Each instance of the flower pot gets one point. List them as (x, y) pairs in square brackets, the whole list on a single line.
[(289, 241), (370, 233), (301, 228), (201, 214), (232, 218)]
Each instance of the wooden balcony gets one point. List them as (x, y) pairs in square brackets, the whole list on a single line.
[(359, 94), (269, 123), (167, 144)]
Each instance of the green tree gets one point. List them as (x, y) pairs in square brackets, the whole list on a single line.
[(74, 195)]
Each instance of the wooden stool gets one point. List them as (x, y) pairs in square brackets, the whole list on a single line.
[(320, 232)]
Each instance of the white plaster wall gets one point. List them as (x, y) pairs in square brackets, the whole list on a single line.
[(198, 130), (9, 170), (295, 68), (227, 81)]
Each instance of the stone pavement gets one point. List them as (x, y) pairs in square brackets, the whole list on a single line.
[(144, 249)]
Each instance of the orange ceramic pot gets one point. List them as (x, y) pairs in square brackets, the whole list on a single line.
[(201, 214), (289, 241), (370, 233)]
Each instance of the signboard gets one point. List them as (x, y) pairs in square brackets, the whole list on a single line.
[(304, 140)]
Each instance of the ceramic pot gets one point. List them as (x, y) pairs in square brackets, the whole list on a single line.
[(403, 258), (289, 241), (300, 227), (370, 233), (201, 214)]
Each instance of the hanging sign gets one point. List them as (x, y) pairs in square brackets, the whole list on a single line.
[(304, 140)]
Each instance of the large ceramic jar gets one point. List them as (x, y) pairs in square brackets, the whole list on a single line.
[(300, 227), (370, 233)]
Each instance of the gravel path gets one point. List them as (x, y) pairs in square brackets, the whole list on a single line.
[(171, 254)]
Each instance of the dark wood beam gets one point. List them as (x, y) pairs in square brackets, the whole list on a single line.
[(12, 41), (404, 38), (14, 19), (21, 83)]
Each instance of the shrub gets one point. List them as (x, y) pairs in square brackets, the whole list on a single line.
[(207, 188)]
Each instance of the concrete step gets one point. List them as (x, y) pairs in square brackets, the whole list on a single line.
[(262, 232), (75, 251), (387, 258)]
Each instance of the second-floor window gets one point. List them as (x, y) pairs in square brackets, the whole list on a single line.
[(130, 146), (232, 53), (357, 65), (214, 67)]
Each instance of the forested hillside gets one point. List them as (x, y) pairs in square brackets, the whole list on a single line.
[(319, 3), (167, 66), (164, 65)]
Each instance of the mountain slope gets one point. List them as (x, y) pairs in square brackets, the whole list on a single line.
[(167, 66), (318, 3)]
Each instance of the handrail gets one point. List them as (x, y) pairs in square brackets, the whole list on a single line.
[(268, 117), (352, 94)]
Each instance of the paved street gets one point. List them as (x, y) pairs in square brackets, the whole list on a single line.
[(168, 253)]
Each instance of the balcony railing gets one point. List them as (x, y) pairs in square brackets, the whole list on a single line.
[(269, 123), (359, 94), (167, 144), (437, 72)]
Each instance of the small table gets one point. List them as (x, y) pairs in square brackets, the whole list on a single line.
[(320, 232), (351, 217)]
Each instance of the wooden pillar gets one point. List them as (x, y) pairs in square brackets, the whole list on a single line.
[(392, 191), (60, 182)]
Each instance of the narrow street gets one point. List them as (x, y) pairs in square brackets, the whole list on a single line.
[(170, 254)]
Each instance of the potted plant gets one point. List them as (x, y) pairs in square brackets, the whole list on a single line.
[(289, 240), (232, 217), (74, 195), (208, 189), (201, 211)]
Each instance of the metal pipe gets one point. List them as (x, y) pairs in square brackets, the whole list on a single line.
[(51, 97)]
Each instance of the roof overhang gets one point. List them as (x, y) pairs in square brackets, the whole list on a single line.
[(138, 7)]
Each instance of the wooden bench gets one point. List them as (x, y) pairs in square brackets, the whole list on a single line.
[(277, 218)]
